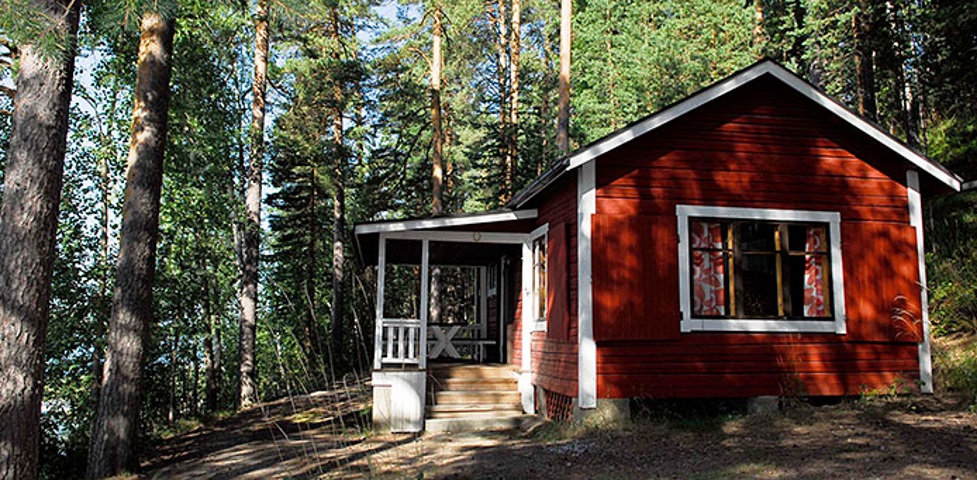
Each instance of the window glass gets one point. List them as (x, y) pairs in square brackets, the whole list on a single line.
[(759, 269), (539, 277)]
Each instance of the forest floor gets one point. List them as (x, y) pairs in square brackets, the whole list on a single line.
[(326, 434)]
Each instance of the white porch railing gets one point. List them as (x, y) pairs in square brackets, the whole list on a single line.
[(400, 342)]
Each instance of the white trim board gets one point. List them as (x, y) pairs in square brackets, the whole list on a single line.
[(587, 345), (690, 324), (916, 220), (459, 236), (440, 222), (740, 79)]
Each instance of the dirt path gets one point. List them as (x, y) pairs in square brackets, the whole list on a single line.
[(323, 435)]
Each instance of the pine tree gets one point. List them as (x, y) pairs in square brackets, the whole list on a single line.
[(115, 436), (28, 221)]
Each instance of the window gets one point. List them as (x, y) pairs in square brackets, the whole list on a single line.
[(492, 279), (760, 270), (539, 278)]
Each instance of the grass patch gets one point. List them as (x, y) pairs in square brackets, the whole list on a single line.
[(184, 425), (955, 362)]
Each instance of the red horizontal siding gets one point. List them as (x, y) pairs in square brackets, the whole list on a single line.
[(762, 146), (554, 354)]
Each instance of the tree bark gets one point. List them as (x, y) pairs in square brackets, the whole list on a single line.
[(864, 66), (115, 436), (759, 35), (437, 143), (437, 176), (338, 208), (28, 224), (247, 389), (212, 352), (563, 114), (502, 77), (512, 157)]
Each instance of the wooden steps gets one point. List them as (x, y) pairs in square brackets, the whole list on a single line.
[(473, 397)]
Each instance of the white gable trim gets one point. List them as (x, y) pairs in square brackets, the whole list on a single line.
[(425, 223), (738, 80)]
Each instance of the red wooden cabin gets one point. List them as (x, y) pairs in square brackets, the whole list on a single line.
[(756, 238)]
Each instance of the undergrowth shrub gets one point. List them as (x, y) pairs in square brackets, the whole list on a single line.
[(955, 362)]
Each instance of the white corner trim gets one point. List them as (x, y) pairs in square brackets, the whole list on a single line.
[(916, 220), (690, 323), (736, 81), (425, 223), (526, 363), (587, 345)]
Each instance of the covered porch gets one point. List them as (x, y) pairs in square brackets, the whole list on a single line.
[(447, 292)]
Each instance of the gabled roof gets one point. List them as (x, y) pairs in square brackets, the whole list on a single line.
[(715, 91)]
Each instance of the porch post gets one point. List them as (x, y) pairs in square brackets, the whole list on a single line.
[(482, 309), (525, 377), (381, 274), (425, 290)]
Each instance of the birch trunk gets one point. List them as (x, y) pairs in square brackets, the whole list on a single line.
[(338, 209), (28, 222)]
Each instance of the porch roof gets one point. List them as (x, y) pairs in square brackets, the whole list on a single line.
[(475, 252)]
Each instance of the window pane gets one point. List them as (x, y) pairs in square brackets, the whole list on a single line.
[(807, 238), (814, 285), (707, 235), (757, 237), (759, 285), (709, 284)]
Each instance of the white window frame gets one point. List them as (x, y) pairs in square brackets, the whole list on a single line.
[(542, 233), (693, 324)]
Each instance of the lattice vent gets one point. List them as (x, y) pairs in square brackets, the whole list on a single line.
[(559, 407)]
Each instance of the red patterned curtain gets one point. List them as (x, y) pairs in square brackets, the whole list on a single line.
[(814, 273), (708, 269)]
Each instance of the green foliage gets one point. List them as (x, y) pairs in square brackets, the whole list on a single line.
[(956, 366), (630, 58), (633, 58)]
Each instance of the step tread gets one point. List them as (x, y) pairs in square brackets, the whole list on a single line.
[(474, 407), (477, 423)]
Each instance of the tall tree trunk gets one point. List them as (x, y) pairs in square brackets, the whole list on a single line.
[(311, 341), (437, 176), (338, 209), (512, 157), (563, 114), (437, 142), (502, 77), (759, 35), (28, 223), (252, 204), (115, 436), (171, 405), (862, 24), (212, 352)]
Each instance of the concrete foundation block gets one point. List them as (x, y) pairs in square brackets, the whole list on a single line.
[(763, 404), (609, 411)]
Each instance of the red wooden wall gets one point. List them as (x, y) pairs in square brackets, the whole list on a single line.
[(763, 146), (554, 352)]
